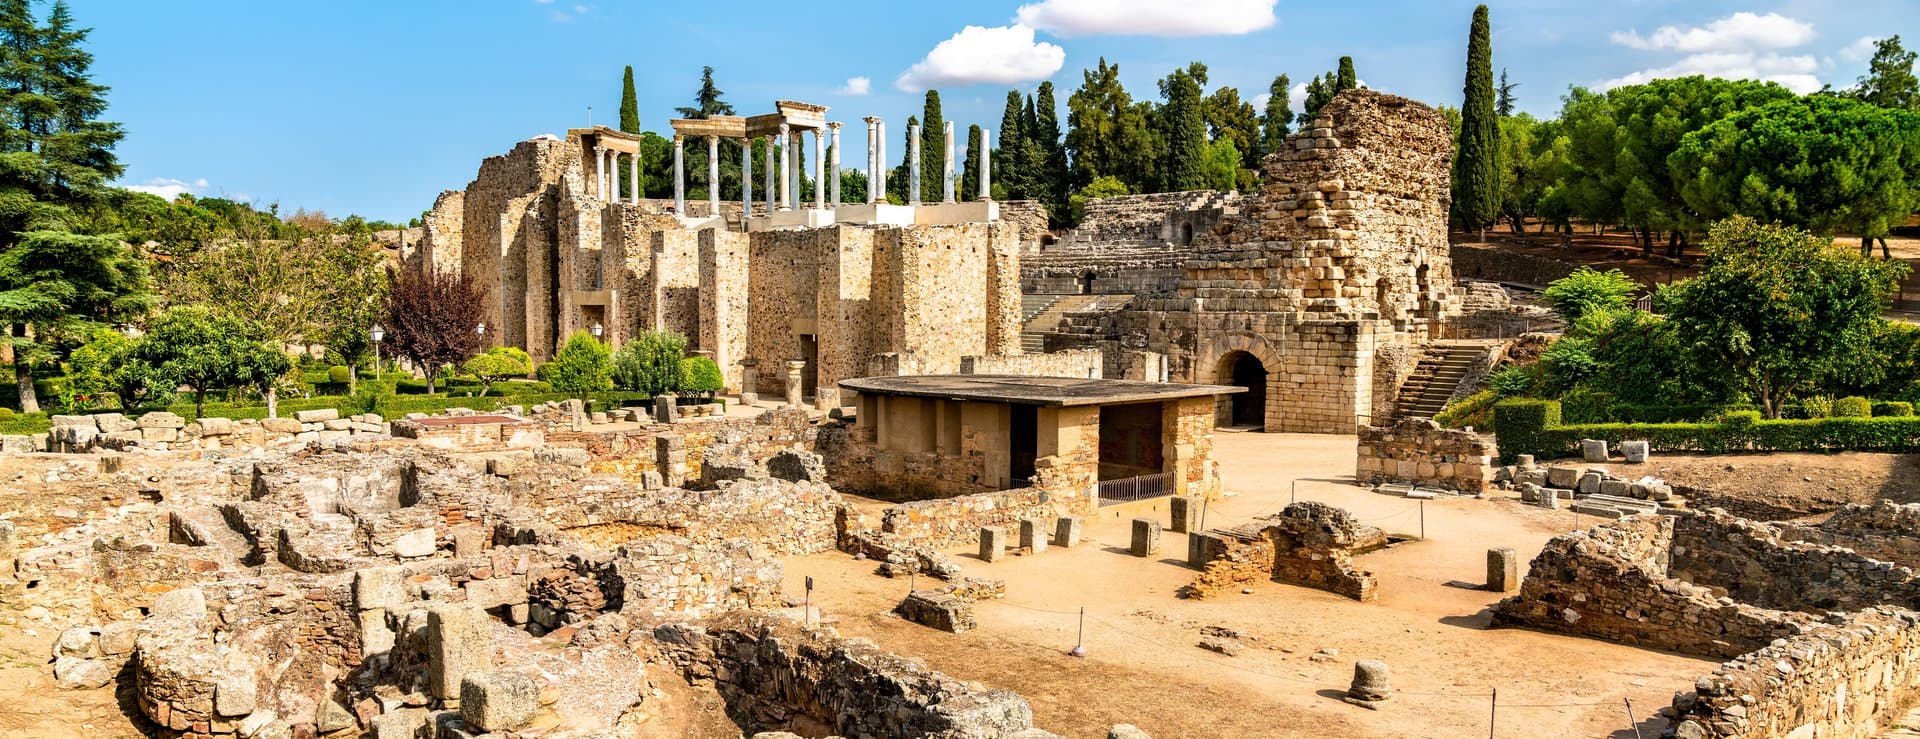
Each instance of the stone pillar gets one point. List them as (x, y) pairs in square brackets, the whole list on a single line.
[(913, 166), (785, 165), (881, 163), (1146, 537), (993, 543), (746, 182), (633, 179), (819, 169), (663, 408), (873, 157), (1066, 531), (679, 175), (1033, 535), (600, 165), (1503, 570), (750, 381), (793, 382), (1185, 514), (946, 181), (833, 164), (713, 176), (986, 165), (459, 641)]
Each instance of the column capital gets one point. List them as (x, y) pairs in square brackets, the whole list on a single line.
[(833, 126), (872, 119)]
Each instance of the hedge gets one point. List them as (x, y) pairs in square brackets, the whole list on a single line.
[(1530, 426)]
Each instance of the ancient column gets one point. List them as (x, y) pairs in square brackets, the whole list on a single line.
[(771, 204), (746, 181), (633, 177), (679, 175), (913, 164), (785, 166), (794, 157), (986, 166), (873, 156), (750, 381), (713, 176), (880, 168), (819, 169), (600, 165), (833, 165), (946, 182), (794, 366)]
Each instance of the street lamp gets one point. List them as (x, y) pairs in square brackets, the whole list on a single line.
[(481, 329), (597, 329), (377, 333)]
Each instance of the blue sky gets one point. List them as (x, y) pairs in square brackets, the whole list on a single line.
[(375, 106)]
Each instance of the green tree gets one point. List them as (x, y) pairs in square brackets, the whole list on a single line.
[(1476, 168), (970, 170), (1231, 119), (1108, 134), (1775, 307), (1345, 79), (1505, 100), (1588, 290), (898, 183), (498, 365), (650, 363), (1104, 187), (629, 123), (1221, 166), (702, 376), (56, 285), (583, 365), (1185, 130), (108, 363), (1649, 123), (207, 350), (853, 186), (708, 101), (1009, 159), (1890, 80), (933, 149), (1045, 135), (353, 269), (1826, 163), (1320, 91), (1278, 119)]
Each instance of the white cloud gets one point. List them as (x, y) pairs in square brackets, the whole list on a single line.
[(1068, 18), (1796, 73), (1297, 96), (1860, 50), (169, 188), (857, 86), (1742, 46), (1000, 55), (1260, 101), (1740, 31)]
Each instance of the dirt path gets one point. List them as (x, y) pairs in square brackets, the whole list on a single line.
[(1142, 666)]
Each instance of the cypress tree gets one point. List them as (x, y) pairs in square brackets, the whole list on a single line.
[(1046, 132), (898, 182), (629, 123), (1185, 132), (970, 171), (1278, 120), (933, 149), (1346, 79), (1033, 153), (1476, 167), (1007, 159)]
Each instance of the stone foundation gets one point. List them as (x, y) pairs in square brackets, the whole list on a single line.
[(1417, 451)]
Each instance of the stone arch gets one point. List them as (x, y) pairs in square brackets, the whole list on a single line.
[(1086, 282), (1230, 353), (1186, 233)]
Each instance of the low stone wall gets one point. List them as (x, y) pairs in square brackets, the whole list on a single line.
[(1418, 451), (1850, 678), (1483, 262), (164, 431), (1229, 560), (1749, 562), (1072, 363), (956, 521), (1886, 531), (776, 676)]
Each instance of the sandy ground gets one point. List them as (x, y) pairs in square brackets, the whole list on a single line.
[(1782, 486), (1142, 666)]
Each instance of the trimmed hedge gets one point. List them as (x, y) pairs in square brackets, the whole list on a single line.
[(1530, 426)]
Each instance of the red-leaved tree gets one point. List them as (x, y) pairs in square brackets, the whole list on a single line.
[(432, 318)]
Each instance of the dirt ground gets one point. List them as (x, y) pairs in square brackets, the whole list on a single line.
[(1142, 666), (1783, 486)]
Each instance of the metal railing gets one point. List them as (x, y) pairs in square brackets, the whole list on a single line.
[(1129, 489)]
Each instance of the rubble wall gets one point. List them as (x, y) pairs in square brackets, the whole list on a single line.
[(956, 521), (1747, 561), (1417, 451), (1885, 531), (1849, 678)]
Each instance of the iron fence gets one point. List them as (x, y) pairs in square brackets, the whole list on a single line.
[(1129, 489)]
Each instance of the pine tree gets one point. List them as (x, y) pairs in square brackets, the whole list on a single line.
[(933, 149), (1890, 80), (1033, 153), (970, 172), (1046, 133), (1278, 121), (1476, 170), (1504, 104), (1319, 93), (1346, 79), (1185, 131), (1009, 159), (709, 101)]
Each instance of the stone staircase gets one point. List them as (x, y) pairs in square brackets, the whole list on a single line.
[(1053, 310), (1436, 378)]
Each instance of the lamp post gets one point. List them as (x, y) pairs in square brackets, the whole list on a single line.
[(481, 329), (377, 333)]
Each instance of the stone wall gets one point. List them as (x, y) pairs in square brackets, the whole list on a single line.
[(1885, 531), (956, 521), (1749, 562), (1166, 217), (1310, 544), (1074, 363), (1483, 262), (1848, 678), (163, 431), (1417, 451)]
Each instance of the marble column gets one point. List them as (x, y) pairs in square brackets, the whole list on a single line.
[(746, 181), (633, 177), (772, 205), (833, 163), (913, 164), (819, 169), (795, 156), (785, 166), (873, 155), (794, 385), (713, 176), (986, 165), (600, 165), (880, 164), (946, 182), (679, 175)]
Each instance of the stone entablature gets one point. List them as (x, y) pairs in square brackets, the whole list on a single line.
[(1417, 451)]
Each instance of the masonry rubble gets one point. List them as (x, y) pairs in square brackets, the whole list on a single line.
[(1309, 543)]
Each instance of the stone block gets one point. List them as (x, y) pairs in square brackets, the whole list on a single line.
[(1636, 452), (216, 426), (336, 424), (375, 636), (317, 415), (499, 591), (663, 408), (993, 543), (280, 425), (75, 673), (1621, 488), (1590, 483), (162, 420), (1146, 537), (235, 693), (1523, 461), (1563, 477), (458, 644), (83, 421), (117, 638), (1066, 531), (469, 539), (797, 465), (379, 587), (159, 434), (1184, 513), (944, 611), (78, 641), (1033, 535), (416, 543), (498, 701), (187, 602), (1593, 450), (1200, 548), (1503, 570)]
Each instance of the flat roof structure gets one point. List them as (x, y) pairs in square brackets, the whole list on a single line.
[(1039, 391)]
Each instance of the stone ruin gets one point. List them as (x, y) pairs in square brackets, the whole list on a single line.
[(1816, 634), (1417, 451), (1309, 543)]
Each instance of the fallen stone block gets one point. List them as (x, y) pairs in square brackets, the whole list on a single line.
[(498, 701), (944, 611), (1590, 483), (1593, 450), (1636, 452), (1563, 477), (75, 673), (317, 415)]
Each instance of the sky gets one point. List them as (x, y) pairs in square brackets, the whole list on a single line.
[(374, 107)]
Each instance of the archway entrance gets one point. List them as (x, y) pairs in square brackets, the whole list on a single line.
[(1245, 370)]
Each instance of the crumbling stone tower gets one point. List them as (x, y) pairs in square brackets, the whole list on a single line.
[(1343, 252)]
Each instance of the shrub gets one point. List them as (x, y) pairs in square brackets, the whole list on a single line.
[(372, 397), (339, 375), (1588, 289), (1852, 406), (1741, 419), (1513, 380), (1523, 424), (499, 363), (1101, 187), (1892, 408), (7, 415), (650, 363), (1523, 429), (1818, 406), (1586, 406), (1475, 410), (582, 366), (1568, 363), (702, 376)]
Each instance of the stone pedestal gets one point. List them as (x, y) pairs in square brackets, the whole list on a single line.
[(1146, 537), (1066, 531), (663, 408), (793, 382), (750, 381), (1185, 513), (1503, 570), (1369, 681), (993, 543), (1033, 536)]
